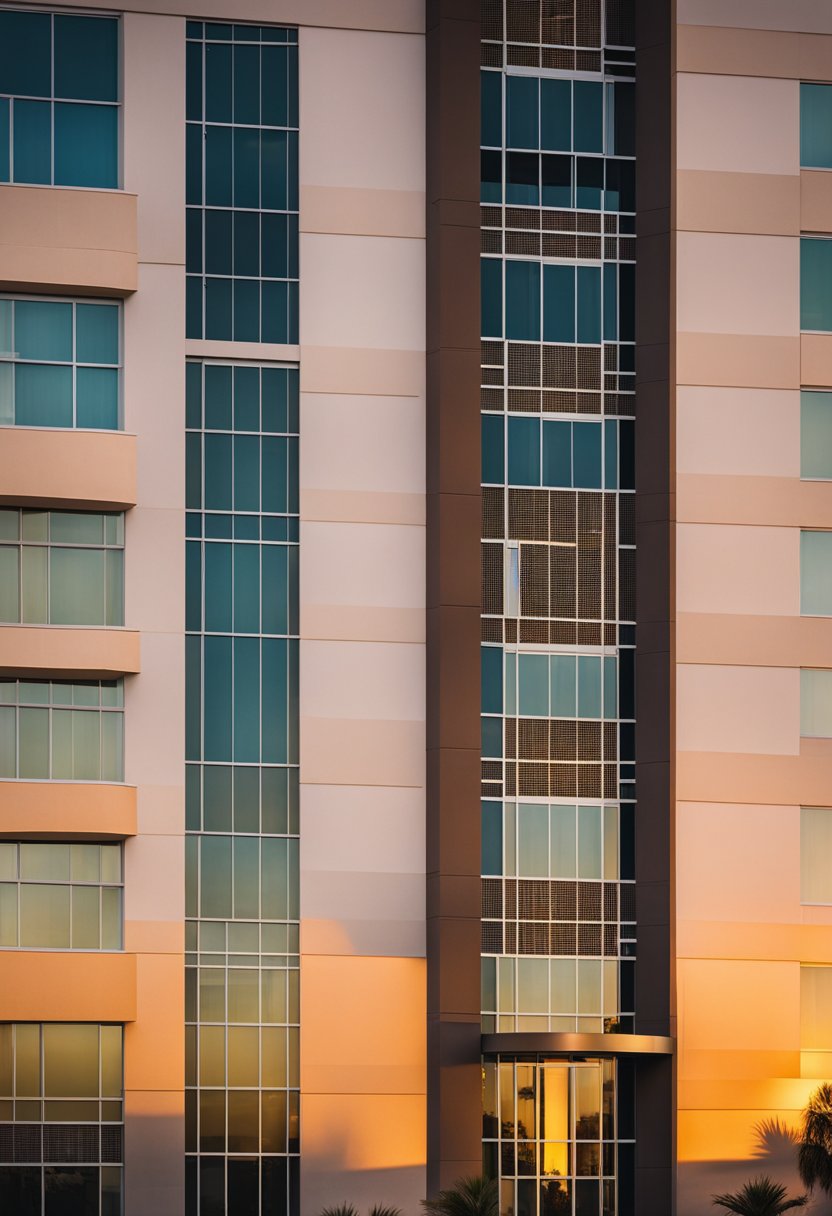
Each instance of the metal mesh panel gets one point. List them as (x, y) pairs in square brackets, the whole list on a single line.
[(610, 223), (564, 900), (510, 743), (492, 937), (492, 630), (561, 60), (491, 217), (491, 353), (532, 938), (491, 56), (533, 899), (589, 740), (590, 895), (589, 941), (587, 221), (559, 366), (491, 398), (523, 20), (627, 584), (627, 519), (491, 19), (589, 633), (493, 513), (610, 740), (589, 781), (562, 939), (20, 1143), (557, 22), (611, 940), (524, 243), (563, 742), (524, 401), (534, 580), (627, 895), (560, 245), (491, 375), (610, 248), (559, 221), (564, 781), (559, 402), (533, 780), (536, 632), (588, 372), (627, 248), (491, 241), (510, 931), (588, 23), (589, 247), (610, 901), (562, 513), (71, 1143), (511, 631), (492, 770), (610, 557), (492, 579), (533, 738), (588, 61), (610, 781), (522, 217), (524, 364), (620, 23), (563, 633), (492, 898), (528, 514)]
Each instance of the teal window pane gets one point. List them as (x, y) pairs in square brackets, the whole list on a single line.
[(86, 58), (274, 95), (532, 840), (491, 109), (96, 402), (81, 527), (246, 310), (620, 185), (77, 587), (86, 145), (556, 115), (193, 395), (216, 798), (621, 124), (246, 588), (610, 302), (522, 109), (43, 395), (218, 474), (557, 454), (816, 126), (523, 301), (562, 841), (247, 84), (532, 686), (96, 333), (246, 699), (43, 330), (8, 742), (491, 297), (218, 587), (246, 167), (276, 151), (246, 880), (556, 174), (275, 668), (218, 242), (193, 586), (277, 305), (511, 684), (218, 83), (218, 383), (215, 876), (564, 692), (590, 837), (610, 455), (589, 687), (815, 284), (589, 111), (274, 597), (492, 838), (193, 471), (25, 53), (522, 178), (194, 290), (610, 688), (247, 242), (493, 454), (491, 177), (5, 141), (32, 142), (33, 743), (193, 82), (491, 660), (816, 434), (524, 451), (274, 472), (586, 447), (273, 880), (218, 166), (589, 304), (491, 732), (9, 583), (194, 141), (217, 694), (816, 573), (193, 698), (559, 304), (589, 182)]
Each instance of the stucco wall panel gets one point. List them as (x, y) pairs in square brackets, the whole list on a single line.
[(714, 201), (737, 124), (724, 284), (738, 360), (726, 568), (737, 709), (67, 986), (90, 470), (87, 654), (757, 641), (739, 431), (66, 809), (809, 16)]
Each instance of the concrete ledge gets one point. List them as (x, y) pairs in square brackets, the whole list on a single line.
[(67, 986), (95, 470), (88, 654), (54, 238), (583, 1044), (69, 810)]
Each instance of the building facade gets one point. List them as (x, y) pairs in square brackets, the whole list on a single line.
[(415, 680)]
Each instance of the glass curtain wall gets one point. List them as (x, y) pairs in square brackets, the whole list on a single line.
[(242, 1100), (558, 598)]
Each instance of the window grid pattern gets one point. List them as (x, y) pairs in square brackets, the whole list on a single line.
[(61, 1118), (62, 731), (569, 35), (242, 183), (61, 896), (60, 364), (242, 1099), (558, 1133), (59, 95)]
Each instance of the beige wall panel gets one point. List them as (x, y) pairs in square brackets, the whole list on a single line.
[(757, 641), (762, 203), (362, 111), (738, 360), (257, 352), (716, 994), (405, 16), (371, 913), (353, 211), (67, 986), (154, 877), (737, 709), (154, 1046), (356, 506), (816, 360), (363, 444), (815, 201), (154, 747), (56, 238), (86, 653), (783, 1093), (153, 543), (715, 776), (740, 862), (740, 52), (362, 372), (808, 16), (90, 470), (724, 284), (154, 936), (783, 501), (737, 124), (66, 809), (155, 1131), (362, 680), (725, 568), (742, 1065), (153, 166), (355, 829), (754, 432), (328, 622), (745, 939), (340, 751)]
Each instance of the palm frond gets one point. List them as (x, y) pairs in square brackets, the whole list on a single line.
[(340, 1209), (475, 1196), (760, 1197), (382, 1209)]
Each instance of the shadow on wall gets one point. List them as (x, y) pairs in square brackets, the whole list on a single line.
[(401, 1187), (774, 1154)]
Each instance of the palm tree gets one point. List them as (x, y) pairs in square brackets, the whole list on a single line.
[(815, 1156), (340, 1209), (760, 1197), (476, 1196), (382, 1209)]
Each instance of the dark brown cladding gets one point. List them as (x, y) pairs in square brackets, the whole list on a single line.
[(655, 573), (453, 592)]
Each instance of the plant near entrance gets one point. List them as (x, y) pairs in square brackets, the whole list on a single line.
[(474, 1196), (815, 1155), (760, 1197)]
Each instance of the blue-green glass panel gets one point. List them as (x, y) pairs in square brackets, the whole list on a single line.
[(556, 115), (43, 330), (275, 575), (523, 301), (492, 838), (247, 888), (274, 169), (218, 166), (558, 303), (96, 398), (193, 395), (620, 185), (610, 687), (532, 685), (218, 476), (491, 177), (246, 243), (86, 145), (193, 472), (193, 81), (246, 310), (193, 240), (586, 455), (275, 246), (218, 242), (5, 141), (43, 395), (96, 333), (247, 805), (218, 698), (491, 109), (589, 116), (277, 303), (25, 53), (589, 304), (246, 588), (292, 488), (610, 302), (622, 123), (816, 434), (217, 397), (589, 182), (218, 83), (216, 798), (215, 876), (491, 297), (610, 455), (274, 93), (493, 444), (564, 689), (522, 111), (815, 284), (557, 454), (589, 686), (273, 880), (293, 589), (292, 652), (32, 142), (86, 58), (524, 451), (218, 309), (193, 586), (292, 85), (522, 178), (247, 399), (491, 731), (247, 84), (218, 588), (491, 662), (275, 487), (193, 698), (246, 167), (816, 126), (246, 699), (626, 306), (556, 173), (194, 141), (275, 669)]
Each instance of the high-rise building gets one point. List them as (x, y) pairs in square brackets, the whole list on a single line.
[(415, 632)]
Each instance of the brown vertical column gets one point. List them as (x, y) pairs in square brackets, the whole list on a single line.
[(655, 573), (453, 591)]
